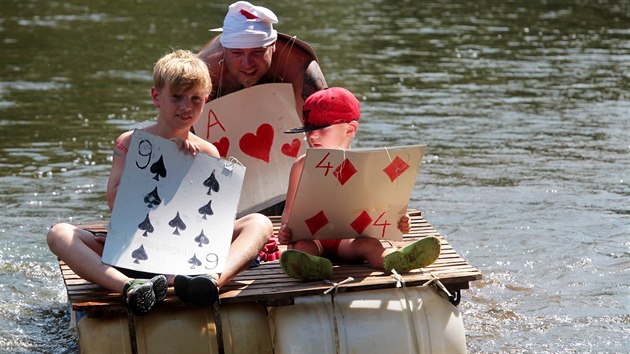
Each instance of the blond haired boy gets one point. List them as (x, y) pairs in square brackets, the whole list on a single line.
[(181, 85)]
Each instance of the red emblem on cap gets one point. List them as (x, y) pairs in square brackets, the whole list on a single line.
[(249, 15)]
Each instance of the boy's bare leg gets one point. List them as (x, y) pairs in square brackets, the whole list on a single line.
[(80, 250), (363, 249), (251, 233), (418, 254), (307, 246)]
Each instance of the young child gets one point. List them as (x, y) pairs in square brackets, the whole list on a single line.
[(331, 121), (181, 85)]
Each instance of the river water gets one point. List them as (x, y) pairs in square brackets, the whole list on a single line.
[(524, 106)]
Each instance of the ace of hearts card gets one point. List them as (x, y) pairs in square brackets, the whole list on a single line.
[(352, 193), (249, 125), (174, 212)]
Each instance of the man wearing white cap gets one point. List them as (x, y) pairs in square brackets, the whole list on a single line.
[(250, 52)]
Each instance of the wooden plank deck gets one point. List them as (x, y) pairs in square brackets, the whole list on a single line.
[(267, 284)]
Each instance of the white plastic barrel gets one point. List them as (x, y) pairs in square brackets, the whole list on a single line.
[(180, 330), (402, 320)]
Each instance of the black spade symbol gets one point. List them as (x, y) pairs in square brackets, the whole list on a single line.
[(212, 184), (146, 226), (139, 255), (153, 198), (177, 223), (194, 261), (159, 169), (206, 210), (202, 239)]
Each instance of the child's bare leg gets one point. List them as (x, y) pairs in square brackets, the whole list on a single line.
[(251, 233), (80, 250), (82, 253), (363, 249), (307, 246)]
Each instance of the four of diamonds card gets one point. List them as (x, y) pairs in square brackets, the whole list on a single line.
[(174, 213), (352, 193)]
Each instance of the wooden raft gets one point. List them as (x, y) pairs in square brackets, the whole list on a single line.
[(270, 286)]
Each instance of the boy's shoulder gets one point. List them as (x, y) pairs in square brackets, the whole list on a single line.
[(123, 141), (125, 136)]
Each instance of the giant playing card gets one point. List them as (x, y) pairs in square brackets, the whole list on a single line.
[(174, 213), (249, 125), (352, 193)]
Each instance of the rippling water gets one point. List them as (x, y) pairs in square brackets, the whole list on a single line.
[(524, 106)]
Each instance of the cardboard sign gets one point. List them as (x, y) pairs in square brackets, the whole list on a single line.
[(249, 125), (352, 193), (174, 213)]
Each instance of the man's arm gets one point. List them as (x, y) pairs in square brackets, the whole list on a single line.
[(313, 80)]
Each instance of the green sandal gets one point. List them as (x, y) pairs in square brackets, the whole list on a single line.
[(303, 266), (416, 255)]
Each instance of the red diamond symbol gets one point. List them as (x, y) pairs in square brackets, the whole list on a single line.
[(344, 171), (361, 222), (396, 168), (316, 222)]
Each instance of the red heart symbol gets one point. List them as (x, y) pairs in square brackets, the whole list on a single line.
[(292, 149), (258, 145), (222, 145)]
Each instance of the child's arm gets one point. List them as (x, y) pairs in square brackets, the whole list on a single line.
[(284, 234), (121, 147), (403, 224)]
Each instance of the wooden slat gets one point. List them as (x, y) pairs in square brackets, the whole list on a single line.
[(268, 283)]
